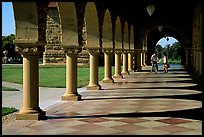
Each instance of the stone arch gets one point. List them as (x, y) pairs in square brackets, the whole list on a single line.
[(107, 33), (92, 27), (170, 27), (30, 22), (118, 34), (69, 25), (126, 36), (131, 48), (131, 37), (154, 35), (167, 22)]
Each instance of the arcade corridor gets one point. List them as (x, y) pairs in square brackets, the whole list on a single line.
[(141, 103), (131, 101)]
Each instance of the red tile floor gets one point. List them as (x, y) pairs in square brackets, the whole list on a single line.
[(142, 103)]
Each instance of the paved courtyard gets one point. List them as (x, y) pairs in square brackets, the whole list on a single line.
[(142, 103)]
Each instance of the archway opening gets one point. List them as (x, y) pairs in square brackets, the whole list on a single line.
[(172, 47), (168, 40)]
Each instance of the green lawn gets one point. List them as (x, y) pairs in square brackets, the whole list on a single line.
[(9, 89), (49, 75), (8, 110)]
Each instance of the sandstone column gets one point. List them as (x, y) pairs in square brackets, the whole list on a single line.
[(125, 64), (108, 68), (186, 58), (93, 79), (143, 58), (117, 64), (71, 75), (30, 109), (200, 63), (130, 61), (138, 59)]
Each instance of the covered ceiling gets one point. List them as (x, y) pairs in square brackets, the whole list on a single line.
[(171, 14), (135, 10)]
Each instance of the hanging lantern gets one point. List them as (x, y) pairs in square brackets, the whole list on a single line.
[(160, 28), (150, 9)]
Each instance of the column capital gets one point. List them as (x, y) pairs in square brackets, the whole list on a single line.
[(106, 50), (29, 51), (143, 51), (131, 51), (118, 51), (31, 47), (198, 49), (125, 51), (94, 50), (71, 50), (138, 50)]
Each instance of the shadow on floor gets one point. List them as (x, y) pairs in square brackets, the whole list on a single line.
[(198, 97), (195, 114)]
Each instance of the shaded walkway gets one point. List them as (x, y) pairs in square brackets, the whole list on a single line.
[(140, 103)]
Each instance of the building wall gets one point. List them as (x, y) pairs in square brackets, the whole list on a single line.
[(53, 50)]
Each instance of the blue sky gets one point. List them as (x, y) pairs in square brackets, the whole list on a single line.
[(163, 41), (8, 24)]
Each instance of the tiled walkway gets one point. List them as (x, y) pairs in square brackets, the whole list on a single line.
[(141, 103)]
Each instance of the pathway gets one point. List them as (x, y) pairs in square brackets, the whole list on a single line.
[(142, 103)]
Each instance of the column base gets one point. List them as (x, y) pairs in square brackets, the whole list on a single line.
[(71, 97), (108, 80), (34, 116), (117, 76), (95, 87), (125, 73), (130, 70)]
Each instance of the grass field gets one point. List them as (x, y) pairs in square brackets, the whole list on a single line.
[(8, 110), (9, 89), (50, 76)]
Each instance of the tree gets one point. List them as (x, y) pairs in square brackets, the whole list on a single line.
[(176, 50), (8, 45), (159, 50)]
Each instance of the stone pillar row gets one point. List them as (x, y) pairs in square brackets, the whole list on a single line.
[(31, 109)]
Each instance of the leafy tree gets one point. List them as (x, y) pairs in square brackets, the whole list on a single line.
[(8, 45), (159, 50), (174, 51)]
